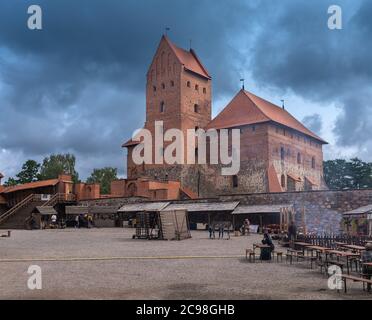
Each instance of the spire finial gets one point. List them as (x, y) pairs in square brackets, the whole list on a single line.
[(283, 106), (166, 30), (242, 81)]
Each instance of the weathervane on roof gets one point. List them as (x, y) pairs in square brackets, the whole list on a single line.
[(242, 81), (283, 106), (166, 30)]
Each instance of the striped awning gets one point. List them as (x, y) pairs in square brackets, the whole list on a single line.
[(144, 206), (203, 207), (252, 209), (77, 210), (46, 211)]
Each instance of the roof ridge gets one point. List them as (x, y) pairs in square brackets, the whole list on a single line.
[(307, 132)]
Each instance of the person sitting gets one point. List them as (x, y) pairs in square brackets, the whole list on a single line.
[(266, 252)]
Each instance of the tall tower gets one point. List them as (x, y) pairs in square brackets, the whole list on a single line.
[(178, 92), (178, 89)]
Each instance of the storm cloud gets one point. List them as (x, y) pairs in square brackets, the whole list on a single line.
[(78, 85)]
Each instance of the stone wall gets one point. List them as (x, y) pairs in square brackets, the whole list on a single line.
[(323, 209), (111, 201)]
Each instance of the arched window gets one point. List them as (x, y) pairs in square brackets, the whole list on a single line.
[(282, 153), (235, 181), (299, 158), (196, 108), (162, 107), (188, 84), (283, 181), (197, 87), (132, 190), (313, 162)]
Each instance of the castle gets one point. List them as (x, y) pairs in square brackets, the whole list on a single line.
[(278, 153)]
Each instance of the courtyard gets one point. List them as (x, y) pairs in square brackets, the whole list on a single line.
[(109, 264)]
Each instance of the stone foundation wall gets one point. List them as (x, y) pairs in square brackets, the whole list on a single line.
[(323, 209)]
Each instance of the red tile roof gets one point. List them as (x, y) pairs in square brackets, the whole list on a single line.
[(274, 185), (129, 143), (311, 181), (293, 177), (189, 59), (31, 185), (246, 108)]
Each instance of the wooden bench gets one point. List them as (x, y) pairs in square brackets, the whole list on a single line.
[(298, 254), (251, 254), (278, 254), (356, 279)]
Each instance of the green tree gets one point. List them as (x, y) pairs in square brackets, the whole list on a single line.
[(10, 182), (29, 172), (104, 177), (340, 174), (57, 164)]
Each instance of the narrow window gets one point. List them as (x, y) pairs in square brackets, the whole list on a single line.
[(235, 181), (282, 153), (197, 87), (188, 84), (299, 158), (196, 108), (154, 88), (204, 90), (162, 106), (196, 128), (172, 83), (313, 162), (283, 181), (163, 85)]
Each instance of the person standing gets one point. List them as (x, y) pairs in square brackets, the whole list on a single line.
[(221, 231), (247, 224), (292, 233), (366, 256)]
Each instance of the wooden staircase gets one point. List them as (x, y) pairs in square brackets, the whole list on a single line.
[(59, 198), (15, 217)]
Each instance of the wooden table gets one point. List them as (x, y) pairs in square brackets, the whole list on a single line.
[(317, 249), (354, 247), (303, 245), (344, 254)]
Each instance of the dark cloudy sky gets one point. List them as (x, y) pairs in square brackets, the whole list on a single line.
[(78, 85)]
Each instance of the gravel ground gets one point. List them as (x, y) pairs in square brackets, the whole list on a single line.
[(106, 264)]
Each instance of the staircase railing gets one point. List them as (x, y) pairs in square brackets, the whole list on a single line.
[(17, 207), (58, 198)]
